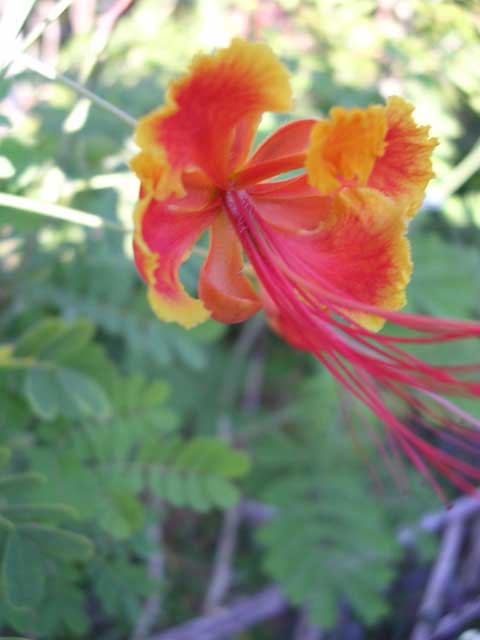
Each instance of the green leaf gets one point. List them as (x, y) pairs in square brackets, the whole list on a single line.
[(86, 395), (5, 454), (39, 512), (33, 341), (70, 340), (20, 482), (41, 389), (65, 545), (23, 572), (221, 492)]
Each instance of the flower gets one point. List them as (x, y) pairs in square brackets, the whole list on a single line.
[(327, 255)]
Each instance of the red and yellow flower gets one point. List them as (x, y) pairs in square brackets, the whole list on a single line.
[(323, 253)]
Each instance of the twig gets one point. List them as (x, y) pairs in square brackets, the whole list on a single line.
[(458, 175), (470, 575), (241, 615), (59, 212), (20, 45), (50, 73), (305, 630), (454, 623), (152, 606), (431, 607), (97, 45), (222, 565)]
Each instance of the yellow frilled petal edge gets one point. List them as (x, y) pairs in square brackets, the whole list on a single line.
[(405, 168), (219, 100), (344, 148), (369, 231), (166, 295)]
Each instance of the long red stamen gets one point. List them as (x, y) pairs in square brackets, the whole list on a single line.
[(370, 366)]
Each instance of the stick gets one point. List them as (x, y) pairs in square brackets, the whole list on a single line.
[(454, 623), (443, 570), (235, 618)]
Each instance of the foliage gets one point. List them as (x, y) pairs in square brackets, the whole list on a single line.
[(112, 423)]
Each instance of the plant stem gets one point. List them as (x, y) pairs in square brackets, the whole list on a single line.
[(50, 73), (54, 13), (59, 212), (75, 216)]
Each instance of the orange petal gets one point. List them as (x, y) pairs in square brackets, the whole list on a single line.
[(405, 168), (368, 253), (162, 241), (283, 151), (343, 149), (211, 114), (290, 139), (223, 287), (359, 254), (291, 205)]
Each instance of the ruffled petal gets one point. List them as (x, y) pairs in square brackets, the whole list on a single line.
[(365, 252), (164, 235), (211, 114), (285, 150), (292, 205), (405, 168), (358, 254), (344, 148), (224, 288)]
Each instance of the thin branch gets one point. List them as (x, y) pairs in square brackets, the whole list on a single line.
[(224, 556), (48, 72), (59, 212), (75, 216), (156, 570), (454, 623), (37, 31), (442, 572), (461, 172), (237, 617), (304, 630), (222, 565)]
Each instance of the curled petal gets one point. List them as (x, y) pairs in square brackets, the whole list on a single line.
[(224, 288), (365, 253), (357, 254), (212, 113), (343, 149), (292, 205), (284, 150), (162, 241), (405, 168)]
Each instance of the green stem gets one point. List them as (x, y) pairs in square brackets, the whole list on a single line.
[(462, 172), (54, 13), (59, 212), (48, 72), (75, 216)]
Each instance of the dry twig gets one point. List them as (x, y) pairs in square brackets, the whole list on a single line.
[(235, 618), (433, 599)]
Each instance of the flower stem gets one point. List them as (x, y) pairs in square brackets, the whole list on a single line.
[(50, 73), (59, 212)]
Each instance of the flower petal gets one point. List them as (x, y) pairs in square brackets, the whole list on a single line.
[(162, 241), (224, 288), (343, 149), (405, 168), (291, 204), (359, 253), (211, 114), (368, 254), (283, 151)]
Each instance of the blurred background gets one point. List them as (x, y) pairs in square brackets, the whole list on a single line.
[(164, 484)]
